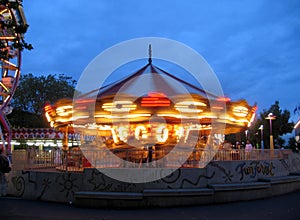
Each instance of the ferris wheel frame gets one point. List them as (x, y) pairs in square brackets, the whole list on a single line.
[(11, 17)]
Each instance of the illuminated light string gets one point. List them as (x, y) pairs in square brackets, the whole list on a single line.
[(189, 106), (240, 111), (63, 114), (161, 134), (155, 99), (122, 116), (64, 110), (119, 106)]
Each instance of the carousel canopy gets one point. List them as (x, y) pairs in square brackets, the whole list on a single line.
[(151, 92), (152, 78)]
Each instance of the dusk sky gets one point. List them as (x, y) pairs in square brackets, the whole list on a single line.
[(253, 46)]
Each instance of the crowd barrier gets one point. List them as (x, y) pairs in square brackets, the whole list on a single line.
[(77, 160)]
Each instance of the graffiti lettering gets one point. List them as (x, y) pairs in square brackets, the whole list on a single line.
[(255, 167)]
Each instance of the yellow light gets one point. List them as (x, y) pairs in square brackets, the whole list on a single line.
[(237, 120), (47, 117), (3, 11), (162, 133), (4, 87), (104, 127), (181, 116), (251, 120), (114, 135), (119, 106), (240, 111), (189, 106), (64, 110), (63, 120), (140, 132), (51, 124), (79, 117), (179, 131), (123, 133), (122, 116), (188, 103)]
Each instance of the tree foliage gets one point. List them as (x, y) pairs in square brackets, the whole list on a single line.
[(34, 92), (280, 126), (21, 119)]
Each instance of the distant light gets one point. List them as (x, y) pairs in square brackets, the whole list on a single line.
[(271, 116), (297, 124)]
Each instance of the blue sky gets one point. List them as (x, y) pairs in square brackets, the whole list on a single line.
[(253, 46)]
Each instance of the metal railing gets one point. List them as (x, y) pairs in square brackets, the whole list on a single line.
[(77, 160)]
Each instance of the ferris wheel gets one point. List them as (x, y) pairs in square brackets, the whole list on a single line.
[(12, 27)]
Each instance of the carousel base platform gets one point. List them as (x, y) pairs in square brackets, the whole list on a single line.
[(218, 182), (214, 193)]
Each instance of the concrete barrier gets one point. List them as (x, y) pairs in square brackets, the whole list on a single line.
[(220, 181)]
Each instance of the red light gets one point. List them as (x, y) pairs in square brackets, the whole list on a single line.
[(155, 99), (48, 107), (223, 99), (156, 94)]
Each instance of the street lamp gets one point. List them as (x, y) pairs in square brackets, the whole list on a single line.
[(261, 128), (297, 138), (271, 117)]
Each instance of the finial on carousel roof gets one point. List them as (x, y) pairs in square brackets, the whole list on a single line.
[(150, 54)]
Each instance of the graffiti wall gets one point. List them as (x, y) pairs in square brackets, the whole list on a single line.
[(50, 186), (245, 171), (60, 186)]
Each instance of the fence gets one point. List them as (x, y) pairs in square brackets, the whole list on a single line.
[(77, 160)]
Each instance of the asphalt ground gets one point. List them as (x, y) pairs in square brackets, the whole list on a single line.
[(285, 207)]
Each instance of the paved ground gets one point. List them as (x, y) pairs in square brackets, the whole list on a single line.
[(286, 207)]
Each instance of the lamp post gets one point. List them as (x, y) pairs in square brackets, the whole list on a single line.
[(271, 117), (261, 128), (297, 139)]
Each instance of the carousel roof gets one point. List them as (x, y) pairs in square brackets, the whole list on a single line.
[(147, 92), (152, 78)]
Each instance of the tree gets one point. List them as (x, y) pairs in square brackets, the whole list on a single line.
[(293, 145), (280, 126), (34, 92)]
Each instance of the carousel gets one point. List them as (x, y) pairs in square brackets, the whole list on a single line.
[(149, 111)]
